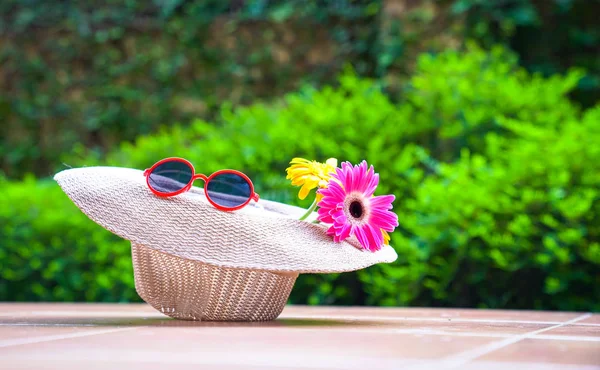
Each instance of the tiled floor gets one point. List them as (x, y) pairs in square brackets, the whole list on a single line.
[(80, 336)]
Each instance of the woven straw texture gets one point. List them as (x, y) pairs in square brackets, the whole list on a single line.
[(263, 236), (191, 290)]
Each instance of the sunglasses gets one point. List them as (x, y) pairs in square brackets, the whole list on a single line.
[(226, 190)]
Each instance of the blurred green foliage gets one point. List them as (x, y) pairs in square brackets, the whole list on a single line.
[(98, 73), (50, 251), (548, 35), (496, 174)]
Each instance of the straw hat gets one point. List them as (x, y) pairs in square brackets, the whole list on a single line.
[(192, 261)]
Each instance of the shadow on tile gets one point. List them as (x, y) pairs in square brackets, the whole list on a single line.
[(169, 322)]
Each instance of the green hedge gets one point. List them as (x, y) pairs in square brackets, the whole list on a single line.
[(495, 171), (100, 73), (50, 251)]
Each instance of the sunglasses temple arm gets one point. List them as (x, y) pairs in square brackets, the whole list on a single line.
[(255, 197)]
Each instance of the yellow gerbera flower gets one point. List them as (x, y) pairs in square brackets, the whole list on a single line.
[(386, 237), (310, 174)]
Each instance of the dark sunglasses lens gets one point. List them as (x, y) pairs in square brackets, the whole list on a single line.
[(170, 177), (228, 190)]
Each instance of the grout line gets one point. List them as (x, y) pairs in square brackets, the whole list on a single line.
[(462, 358), (568, 337), (48, 338), (415, 331), (424, 332)]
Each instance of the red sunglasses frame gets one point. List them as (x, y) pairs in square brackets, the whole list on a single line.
[(203, 177)]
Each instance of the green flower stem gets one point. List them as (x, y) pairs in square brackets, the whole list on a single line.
[(311, 209)]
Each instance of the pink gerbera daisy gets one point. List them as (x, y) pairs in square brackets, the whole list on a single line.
[(349, 206)]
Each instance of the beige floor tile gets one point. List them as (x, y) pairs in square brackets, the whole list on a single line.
[(548, 351), (92, 336), (576, 330), (236, 346), (10, 333), (594, 320), (434, 313)]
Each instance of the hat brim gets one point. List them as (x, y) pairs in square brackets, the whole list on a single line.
[(263, 236)]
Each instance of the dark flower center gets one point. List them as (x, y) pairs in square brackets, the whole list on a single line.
[(356, 209)]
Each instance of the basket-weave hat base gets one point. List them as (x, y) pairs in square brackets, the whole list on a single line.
[(191, 290)]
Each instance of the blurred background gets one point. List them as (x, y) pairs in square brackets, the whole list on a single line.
[(482, 117)]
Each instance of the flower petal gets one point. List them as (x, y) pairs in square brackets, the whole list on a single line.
[(332, 162), (336, 191), (374, 236), (339, 217), (383, 201), (324, 215), (362, 237), (386, 237), (304, 190), (372, 185), (299, 160), (365, 179), (347, 180), (309, 174), (331, 231), (345, 231), (384, 219)]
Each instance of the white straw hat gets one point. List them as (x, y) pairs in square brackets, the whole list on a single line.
[(192, 261)]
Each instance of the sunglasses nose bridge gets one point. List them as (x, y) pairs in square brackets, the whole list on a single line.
[(200, 176)]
